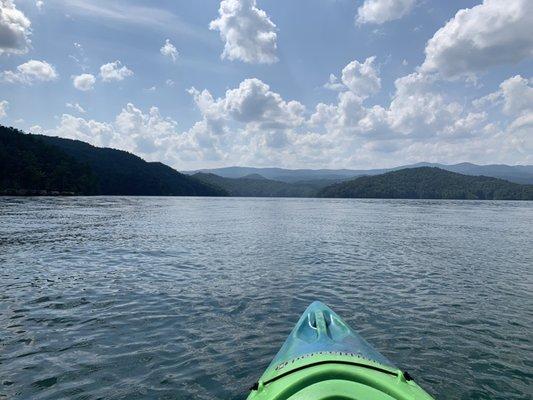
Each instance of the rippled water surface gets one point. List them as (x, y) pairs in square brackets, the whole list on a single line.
[(190, 298)]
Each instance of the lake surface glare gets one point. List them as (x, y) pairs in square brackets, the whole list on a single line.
[(190, 298)]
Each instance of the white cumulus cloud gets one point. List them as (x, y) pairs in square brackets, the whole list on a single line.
[(31, 72), (492, 33), (91, 131), (114, 71), (4, 105), (362, 78), (247, 31), (84, 82), (417, 109), (147, 134), (517, 94), (169, 50), (14, 29), (249, 122), (253, 124), (334, 84), (381, 11), (251, 103)]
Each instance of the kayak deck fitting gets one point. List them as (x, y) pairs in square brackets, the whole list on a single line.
[(324, 359)]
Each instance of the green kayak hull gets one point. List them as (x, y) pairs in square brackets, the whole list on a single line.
[(324, 359)]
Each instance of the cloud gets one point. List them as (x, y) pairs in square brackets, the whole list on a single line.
[(147, 134), (254, 102), (247, 31), (169, 50), (334, 84), (517, 95), (492, 33), (31, 72), (39, 4), (91, 131), (14, 29), (114, 71), (416, 112), (523, 125), (520, 137), (381, 11), (348, 120), (253, 124), (76, 106), (4, 105), (123, 14), (362, 78), (417, 109), (251, 103), (84, 82), (80, 58), (487, 100)]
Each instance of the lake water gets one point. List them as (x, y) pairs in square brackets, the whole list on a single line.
[(190, 298)]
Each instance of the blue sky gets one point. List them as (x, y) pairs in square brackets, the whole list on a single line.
[(414, 80)]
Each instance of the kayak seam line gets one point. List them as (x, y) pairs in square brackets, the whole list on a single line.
[(355, 364)]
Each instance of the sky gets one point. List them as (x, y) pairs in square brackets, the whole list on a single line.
[(294, 83)]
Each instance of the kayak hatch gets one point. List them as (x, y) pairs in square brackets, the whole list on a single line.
[(324, 359)]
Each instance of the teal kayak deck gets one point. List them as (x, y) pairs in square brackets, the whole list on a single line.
[(323, 358), (321, 329)]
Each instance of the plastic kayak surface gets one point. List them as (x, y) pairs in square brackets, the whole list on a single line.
[(324, 359)]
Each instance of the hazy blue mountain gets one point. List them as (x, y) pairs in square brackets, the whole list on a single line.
[(36, 164), (285, 175), (428, 183), (514, 173), (254, 185), (255, 176)]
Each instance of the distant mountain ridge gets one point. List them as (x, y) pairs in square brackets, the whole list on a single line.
[(428, 183), (255, 185), (514, 173), (43, 165)]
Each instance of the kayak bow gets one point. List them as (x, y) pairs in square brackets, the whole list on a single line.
[(324, 359)]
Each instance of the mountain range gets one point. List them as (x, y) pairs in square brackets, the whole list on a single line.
[(43, 165), (255, 185), (514, 173)]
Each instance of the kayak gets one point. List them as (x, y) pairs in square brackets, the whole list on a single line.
[(324, 359)]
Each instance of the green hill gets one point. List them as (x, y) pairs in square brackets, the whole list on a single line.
[(36, 164), (428, 183), (258, 186)]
